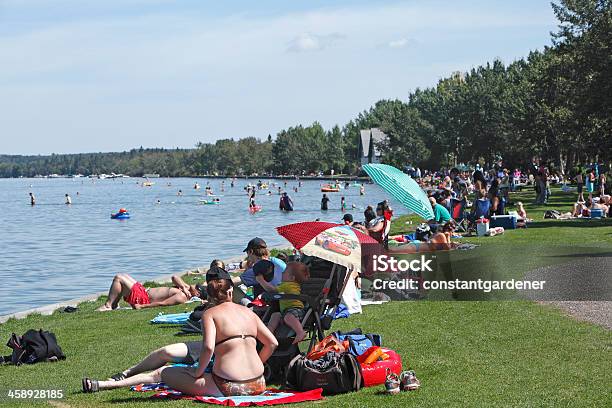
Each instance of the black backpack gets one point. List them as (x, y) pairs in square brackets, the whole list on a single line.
[(335, 373), (34, 346)]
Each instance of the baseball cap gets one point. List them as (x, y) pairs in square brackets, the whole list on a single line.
[(255, 243), (347, 217), (216, 273)]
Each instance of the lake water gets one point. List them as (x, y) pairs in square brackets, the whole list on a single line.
[(53, 252)]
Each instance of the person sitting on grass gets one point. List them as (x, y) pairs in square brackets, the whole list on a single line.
[(256, 250), (187, 353), (291, 310), (231, 333), (441, 214), (139, 297)]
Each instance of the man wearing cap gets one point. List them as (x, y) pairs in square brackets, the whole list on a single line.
[(257, 250)]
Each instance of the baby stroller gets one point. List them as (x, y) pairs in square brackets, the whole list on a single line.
[(321, 296)]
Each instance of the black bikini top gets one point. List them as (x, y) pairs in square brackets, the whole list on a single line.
[(238, 336)]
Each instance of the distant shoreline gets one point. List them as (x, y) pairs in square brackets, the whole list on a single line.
[(324, 178)]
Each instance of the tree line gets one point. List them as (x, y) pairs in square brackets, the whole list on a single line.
[(554, 104)]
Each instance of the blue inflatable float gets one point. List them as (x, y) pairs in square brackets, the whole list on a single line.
[(121, 215)]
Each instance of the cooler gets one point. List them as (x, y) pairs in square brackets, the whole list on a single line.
[(506, 221)]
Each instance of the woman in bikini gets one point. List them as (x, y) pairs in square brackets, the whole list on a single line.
[(440, 241), (231, 332)]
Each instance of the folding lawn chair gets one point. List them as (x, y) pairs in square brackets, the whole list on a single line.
[(459, 214)]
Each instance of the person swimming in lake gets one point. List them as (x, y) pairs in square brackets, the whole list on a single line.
[(179, 193), (252, 199), (324, 202), (285, 203), (32, 199), (139, 297), (68, 199), (362, 190), (342, 204)]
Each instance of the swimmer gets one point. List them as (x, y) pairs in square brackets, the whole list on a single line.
[(158, 201), (252, 199), (342, 204), (32, 199), (68, 199), (180, 193)]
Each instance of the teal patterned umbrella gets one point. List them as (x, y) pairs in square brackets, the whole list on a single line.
[(402, 187)]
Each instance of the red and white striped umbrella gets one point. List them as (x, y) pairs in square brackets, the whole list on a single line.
[(336, 243)]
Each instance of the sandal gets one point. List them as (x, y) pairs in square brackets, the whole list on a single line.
[(118, 377), (90, 385)]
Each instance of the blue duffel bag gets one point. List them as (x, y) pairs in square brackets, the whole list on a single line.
[(358, 341)]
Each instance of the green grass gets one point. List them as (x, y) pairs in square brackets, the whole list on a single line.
[(504, 353)]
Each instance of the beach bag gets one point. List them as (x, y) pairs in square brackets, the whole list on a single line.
[(358, 342), (335, 373), (34, 346)]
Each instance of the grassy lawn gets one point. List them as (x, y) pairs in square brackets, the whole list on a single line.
[(469, 353)]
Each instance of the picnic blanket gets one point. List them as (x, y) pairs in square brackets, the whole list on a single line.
[(268, 397), (172, 318)]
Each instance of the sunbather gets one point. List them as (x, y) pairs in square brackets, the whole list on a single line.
[(184, 353), (139, 297), (438, 242), (231, 332)]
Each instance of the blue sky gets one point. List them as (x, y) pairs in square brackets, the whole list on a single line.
[(110, 75)]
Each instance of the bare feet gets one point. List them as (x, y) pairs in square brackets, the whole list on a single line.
[(299, 337), (104, 308)]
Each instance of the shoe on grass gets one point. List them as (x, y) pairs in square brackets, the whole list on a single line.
[(392, 383), (408, 381)]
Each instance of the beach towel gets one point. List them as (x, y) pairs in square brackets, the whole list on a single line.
[(269, 397), (173, 318)]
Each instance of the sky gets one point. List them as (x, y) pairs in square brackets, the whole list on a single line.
[(111, 75)]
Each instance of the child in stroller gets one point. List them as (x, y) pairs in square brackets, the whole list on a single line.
[(291, 310)]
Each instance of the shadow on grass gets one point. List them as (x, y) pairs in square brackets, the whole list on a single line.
[(580, 223), (148, 399), (582, 255)]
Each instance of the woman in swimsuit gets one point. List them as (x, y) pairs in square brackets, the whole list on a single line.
[(231, 332), (441, 241)]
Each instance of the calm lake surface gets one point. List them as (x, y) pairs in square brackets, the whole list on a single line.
[(53, 252)]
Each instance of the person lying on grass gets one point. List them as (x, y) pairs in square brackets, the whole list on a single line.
[(440, 241), (291, 310), (139, 297), (231, 333)]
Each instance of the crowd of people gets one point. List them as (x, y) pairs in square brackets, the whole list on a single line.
[(231, 331)]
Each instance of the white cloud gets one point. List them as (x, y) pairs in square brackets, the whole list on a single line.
[(401, 43), (313, 42)]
